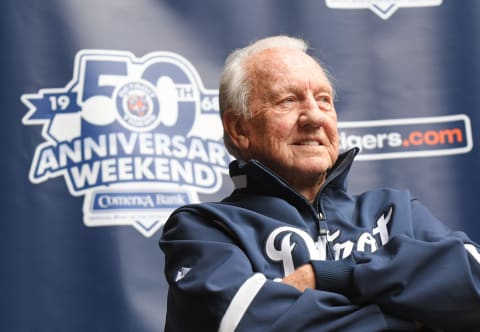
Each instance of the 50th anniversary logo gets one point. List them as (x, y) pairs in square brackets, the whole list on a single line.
[(138, 137)]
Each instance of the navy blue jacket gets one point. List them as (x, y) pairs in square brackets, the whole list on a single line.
[(382, 262)]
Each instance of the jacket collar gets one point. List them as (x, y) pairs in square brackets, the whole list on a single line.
[(255, 177)]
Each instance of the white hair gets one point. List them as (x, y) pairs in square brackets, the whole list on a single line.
[(234, 89)]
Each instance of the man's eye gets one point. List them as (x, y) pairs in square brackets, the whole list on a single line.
[(325, 102), (287, 101), (323, 99)]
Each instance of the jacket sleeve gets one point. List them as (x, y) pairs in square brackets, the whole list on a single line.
[(432, 277), (214, 287)]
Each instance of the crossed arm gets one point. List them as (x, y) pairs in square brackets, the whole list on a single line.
[(302, 278)]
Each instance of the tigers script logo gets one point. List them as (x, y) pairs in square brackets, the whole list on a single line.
[(280, 245)]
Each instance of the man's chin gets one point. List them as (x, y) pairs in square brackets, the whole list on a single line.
[(311, 171), (314, 164)]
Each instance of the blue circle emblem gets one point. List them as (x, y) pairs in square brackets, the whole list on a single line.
[(138, 106)]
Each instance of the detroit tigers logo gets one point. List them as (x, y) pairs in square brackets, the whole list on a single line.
[(279, 246), (138, 106)]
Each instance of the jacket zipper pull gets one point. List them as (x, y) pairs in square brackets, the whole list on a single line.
[(322, 237)]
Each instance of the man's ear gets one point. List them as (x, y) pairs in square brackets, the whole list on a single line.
[(235, 126)]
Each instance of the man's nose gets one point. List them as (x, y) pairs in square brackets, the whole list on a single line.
[(310, 113)]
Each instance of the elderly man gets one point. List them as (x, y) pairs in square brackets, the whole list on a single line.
[(290, 249)]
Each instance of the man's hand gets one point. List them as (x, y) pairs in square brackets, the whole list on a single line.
[(301, 278)]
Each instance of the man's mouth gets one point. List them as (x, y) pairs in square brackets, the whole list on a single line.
[(310, 142)]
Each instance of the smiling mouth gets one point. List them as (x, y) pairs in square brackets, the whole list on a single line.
[(310, 143)]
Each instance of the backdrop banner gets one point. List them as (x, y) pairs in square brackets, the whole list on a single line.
[(111, 121)]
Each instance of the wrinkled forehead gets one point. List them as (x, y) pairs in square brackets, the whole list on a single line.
[(274, 67)]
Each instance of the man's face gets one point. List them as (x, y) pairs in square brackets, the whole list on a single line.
[(293, 129)]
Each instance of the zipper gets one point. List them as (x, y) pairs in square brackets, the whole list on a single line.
[(322, 241), (324, 246)]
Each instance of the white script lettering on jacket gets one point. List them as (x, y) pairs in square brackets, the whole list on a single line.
[(379, 236)]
